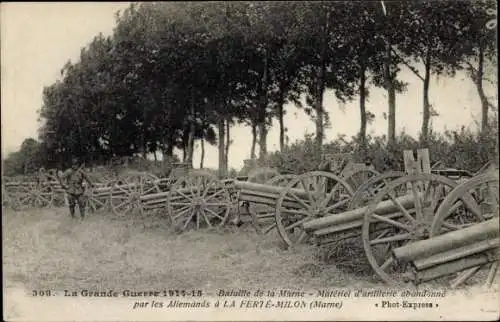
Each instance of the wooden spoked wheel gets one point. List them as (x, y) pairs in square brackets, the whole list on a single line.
[(368, 189), (198, 200), (309, 196), (98, 198), (410, 205), (262, 175), (127, 191), (471, 202), (164, 184), (264, 219), (356, 178), (33, 195)]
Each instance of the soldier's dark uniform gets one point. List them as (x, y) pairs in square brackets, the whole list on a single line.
[(74, 188)]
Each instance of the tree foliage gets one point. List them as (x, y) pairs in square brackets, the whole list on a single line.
[(175, 73)]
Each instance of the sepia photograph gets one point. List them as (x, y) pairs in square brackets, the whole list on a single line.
[(250, 161)]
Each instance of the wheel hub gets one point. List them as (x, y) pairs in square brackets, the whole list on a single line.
[(420, 231), (199, 202), (316, 211), (135, 196)]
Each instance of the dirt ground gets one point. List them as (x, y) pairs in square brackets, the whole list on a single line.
[(46, 249)]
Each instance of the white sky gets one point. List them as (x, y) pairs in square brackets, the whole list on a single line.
[(38, 38)]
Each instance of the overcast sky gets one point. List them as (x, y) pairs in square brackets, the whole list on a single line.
[(38, 38)]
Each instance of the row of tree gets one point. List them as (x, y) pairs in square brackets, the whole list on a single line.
[(172, 73)]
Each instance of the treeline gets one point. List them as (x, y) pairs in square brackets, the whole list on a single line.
[(173, 73)]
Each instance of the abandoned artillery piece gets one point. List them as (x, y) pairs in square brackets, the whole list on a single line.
[(407, 210), (335, 169)]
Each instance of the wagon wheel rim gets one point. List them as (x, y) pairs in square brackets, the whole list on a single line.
[(199, 199), (308, 196), (44, 195), (34, 195), (24, 197), (370, 188), (98, 198), (262, 175), (465, 196), (384, 232), (263, 215), (357, 178), (126, 192)]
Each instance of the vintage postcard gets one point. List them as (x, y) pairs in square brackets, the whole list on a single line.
[(250, 161)]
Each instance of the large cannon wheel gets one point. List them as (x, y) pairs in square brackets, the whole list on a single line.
[(33, 195), (126, 192), (368, 189), (359, 176), (98, 198), (411, 222), (473, 201), (198, 200), (308, 196), (263, 216)]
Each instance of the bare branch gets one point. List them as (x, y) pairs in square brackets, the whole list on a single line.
[(413, 69)]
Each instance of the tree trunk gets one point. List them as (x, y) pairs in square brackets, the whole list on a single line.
[(320, 88), (228, 143), (192, 119), (254, 140), (362, 109), (185, 143), (168, 149), (427, 105), (262, 140), (478, 81), (222, 166), (190, 148), (202, 158), (391, 98), (262, 109), (281, 114)]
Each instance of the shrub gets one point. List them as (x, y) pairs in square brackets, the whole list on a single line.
[(463, 149)]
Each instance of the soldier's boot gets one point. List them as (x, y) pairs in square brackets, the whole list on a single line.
[(82, 211), (72, 211)]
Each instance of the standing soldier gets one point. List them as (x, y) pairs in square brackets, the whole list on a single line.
[(74, 187)]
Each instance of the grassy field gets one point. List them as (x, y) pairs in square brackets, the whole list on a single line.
[(46, 249)]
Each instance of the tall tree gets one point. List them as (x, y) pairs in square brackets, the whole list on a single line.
[(431, 36), (479, 43)]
